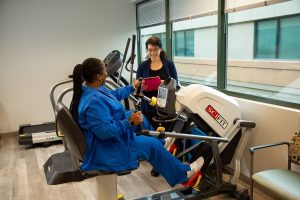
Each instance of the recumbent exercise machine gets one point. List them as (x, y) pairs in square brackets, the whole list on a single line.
[(210, 110), (204, 105)]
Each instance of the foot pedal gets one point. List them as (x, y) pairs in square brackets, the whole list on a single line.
[(173, 149), (194, 181)]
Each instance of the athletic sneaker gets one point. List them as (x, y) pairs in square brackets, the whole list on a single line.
[(169, 142), (195, 167)]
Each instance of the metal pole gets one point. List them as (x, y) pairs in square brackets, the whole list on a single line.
[(185, 136)]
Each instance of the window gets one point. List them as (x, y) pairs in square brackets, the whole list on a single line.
[(275, 39), (256, 55), (184, 43), (151, 19), (162, 37), (158, 31), (266, 39), (265, 62), (289, 40), (194, 26)]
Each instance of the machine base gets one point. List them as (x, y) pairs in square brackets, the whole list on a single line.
[(39, 133)]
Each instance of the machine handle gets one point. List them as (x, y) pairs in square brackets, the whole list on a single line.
[(247, 124), (132, 56), (132, 49), (139, 127), (126, 49), (138, 90), (244, 123)]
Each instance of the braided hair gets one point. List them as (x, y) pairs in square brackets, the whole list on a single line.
[(87, 71)]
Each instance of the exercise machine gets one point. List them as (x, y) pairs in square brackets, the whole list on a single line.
[(65, 167), (216, 114), (44, 133), (40, 133), (220, 112)]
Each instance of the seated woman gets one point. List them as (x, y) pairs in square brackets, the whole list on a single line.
[(109, 129)]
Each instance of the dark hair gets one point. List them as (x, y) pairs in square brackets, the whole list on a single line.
[(87, 71), (155, 41)]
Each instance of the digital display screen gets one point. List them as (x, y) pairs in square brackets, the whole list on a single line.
[(162, 97)]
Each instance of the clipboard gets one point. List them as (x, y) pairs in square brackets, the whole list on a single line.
[(151, 83)]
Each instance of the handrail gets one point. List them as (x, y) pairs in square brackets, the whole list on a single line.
[(52, 98), (61, 95)]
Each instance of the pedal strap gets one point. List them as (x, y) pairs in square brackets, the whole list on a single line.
[(194, 181)]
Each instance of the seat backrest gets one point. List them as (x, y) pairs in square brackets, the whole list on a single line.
[(73, 136), (294, 151)]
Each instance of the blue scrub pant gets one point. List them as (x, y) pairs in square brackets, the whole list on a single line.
[(152, 150)]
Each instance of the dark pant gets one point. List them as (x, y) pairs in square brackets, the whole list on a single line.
[(154, 123)]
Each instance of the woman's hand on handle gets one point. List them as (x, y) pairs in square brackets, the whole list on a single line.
[(137, 83)]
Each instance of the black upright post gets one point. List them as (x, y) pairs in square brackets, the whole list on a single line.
[(222, 47)]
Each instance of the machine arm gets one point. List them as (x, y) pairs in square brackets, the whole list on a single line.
[(182, 135)]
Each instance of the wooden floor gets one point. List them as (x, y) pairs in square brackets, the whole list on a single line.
[(22, 177)]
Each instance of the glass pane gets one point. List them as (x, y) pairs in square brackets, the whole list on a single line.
[(163, 40), (158, 31), (179, 44), (195, 50), (269, 77), (151, 12), (182, 9), (266, 39), (162, 37), (289, 41), (189, 40)]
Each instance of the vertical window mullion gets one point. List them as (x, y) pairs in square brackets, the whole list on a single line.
[(184, 40), (277, 38), (175, 44), (168, 30), (255, 41), (221, 47)]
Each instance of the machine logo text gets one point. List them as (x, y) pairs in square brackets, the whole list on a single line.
[(214, 113)]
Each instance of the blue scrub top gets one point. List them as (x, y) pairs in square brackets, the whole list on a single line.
[(109, 136)]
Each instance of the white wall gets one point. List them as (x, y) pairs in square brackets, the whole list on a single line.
[(40, 43), (241, 41), (206, 43)]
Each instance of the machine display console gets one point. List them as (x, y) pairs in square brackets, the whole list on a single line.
[(162, 97)]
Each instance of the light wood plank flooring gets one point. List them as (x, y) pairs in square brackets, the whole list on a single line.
[(22, 176)]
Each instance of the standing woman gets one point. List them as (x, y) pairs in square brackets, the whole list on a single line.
[(157, 64)]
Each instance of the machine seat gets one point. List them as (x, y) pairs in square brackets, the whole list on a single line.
[(65, 167)]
